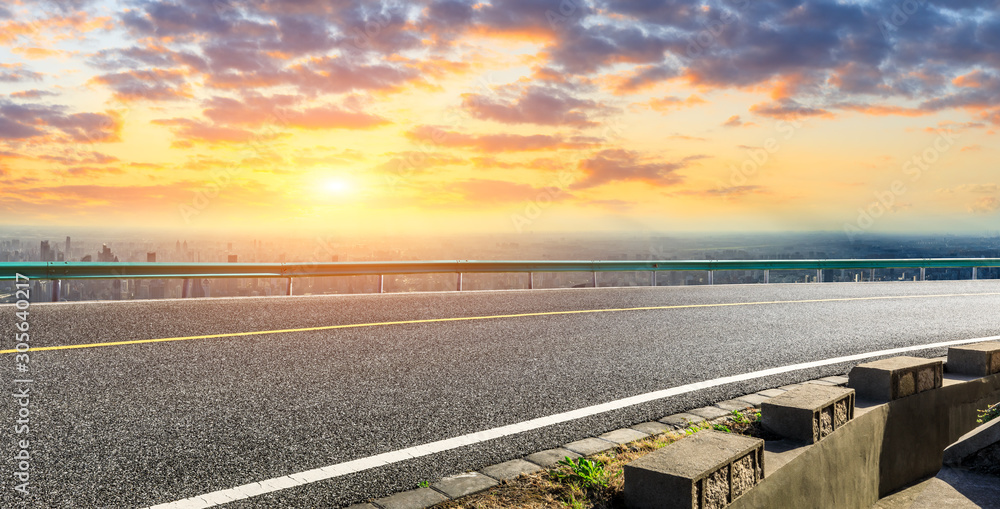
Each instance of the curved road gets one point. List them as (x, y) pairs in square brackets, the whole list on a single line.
[(147, 413)]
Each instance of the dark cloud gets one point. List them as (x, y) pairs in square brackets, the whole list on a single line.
[(152, 85), (788, 109), (532, 105), (20, 121), (617, 165), (499, 142), (32, 94), (15, 73)]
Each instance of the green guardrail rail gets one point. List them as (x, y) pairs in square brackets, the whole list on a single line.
[(151, 270)]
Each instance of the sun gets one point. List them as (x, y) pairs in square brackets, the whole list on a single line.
[(336, 186)]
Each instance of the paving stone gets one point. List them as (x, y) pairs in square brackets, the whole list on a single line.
[(753, 399), (460, 485), (548, 458), (709, 412), (413, 499), (789, 387), (770, 393), (362, 506), (682, 420), (623, 436), (589, 446), (510, 469), (731, 404), (836, 380), (652, 427), (820, 382)]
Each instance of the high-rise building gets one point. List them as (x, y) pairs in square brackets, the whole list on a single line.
[(106, 255), (67, 247), (151, 257), (46, 253)]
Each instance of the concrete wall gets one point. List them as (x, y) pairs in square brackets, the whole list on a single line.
[(886, 447)]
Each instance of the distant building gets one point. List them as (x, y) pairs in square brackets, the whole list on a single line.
[(87, 258), (45, 252), (232, 258), (106, 255), (151, 257), (67, 247)]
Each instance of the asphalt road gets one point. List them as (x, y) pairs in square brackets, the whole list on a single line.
[(141, 424)]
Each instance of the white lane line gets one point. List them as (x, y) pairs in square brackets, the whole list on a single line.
[(354, 466)]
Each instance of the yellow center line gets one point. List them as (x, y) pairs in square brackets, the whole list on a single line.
[(490, 317)]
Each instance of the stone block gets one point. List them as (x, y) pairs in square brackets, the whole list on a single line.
[(896, 377), (589, 446), (682, 420), (549, 457), (413, 499), (464, 484), (623, 436), (809, 413), (731, 404), (510, 469), (652, 428), (977, 359), (753, 400), (707, 470), (709, 413)]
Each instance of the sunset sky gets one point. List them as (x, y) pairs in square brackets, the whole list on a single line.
[(501, 116)]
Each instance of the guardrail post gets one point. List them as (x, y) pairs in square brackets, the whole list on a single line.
[(873, 275), (595, 279), (652, 278), (55, 290), (185, 288), (974, 273), (531, 280), (819, 275), (381, 283), (711, 277), (289, 291), (767, 276), (459, 281), (923, 274)]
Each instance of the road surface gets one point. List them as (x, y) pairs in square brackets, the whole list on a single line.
[(138, 417)]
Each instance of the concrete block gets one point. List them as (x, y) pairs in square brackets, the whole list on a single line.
[(460, 485), (413, 499), (836, 380), (623, 436), (589, 446), (978, 359), (770, 393), (510, 469), (896, 377), (682, 420), (753, 400), (731, 404), (972, 442), (549, 457), (707, 470), (709, 413), (809, 413), (652, 428)]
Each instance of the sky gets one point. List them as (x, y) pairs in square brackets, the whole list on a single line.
[(505, 116)]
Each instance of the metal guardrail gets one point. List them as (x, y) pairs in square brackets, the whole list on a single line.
[(152, 270)]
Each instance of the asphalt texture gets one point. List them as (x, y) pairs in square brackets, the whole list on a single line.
[(137, 425)]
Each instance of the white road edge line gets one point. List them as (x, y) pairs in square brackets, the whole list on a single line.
[(354, 466)]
